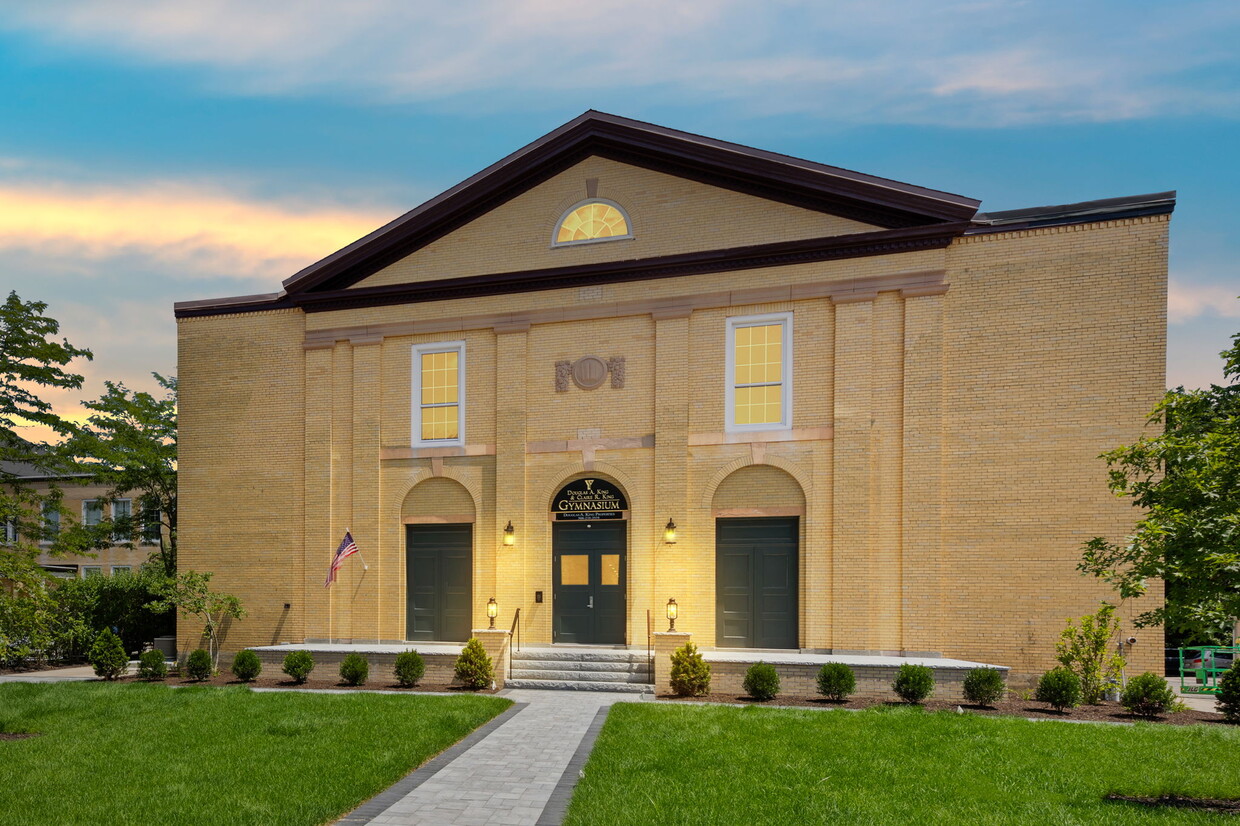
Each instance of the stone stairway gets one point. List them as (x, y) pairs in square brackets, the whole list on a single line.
[(582, 669)]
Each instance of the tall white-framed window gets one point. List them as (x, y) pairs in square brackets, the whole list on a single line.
[(51, 522), (439, 394), (759, 373), (152, 526), (8, 532), (92, 512), (121, 509)]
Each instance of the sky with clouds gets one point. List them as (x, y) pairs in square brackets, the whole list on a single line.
[(159, 152)]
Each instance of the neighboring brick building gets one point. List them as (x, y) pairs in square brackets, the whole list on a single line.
[(873, 415)]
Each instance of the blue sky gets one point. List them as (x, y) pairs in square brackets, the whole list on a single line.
[(151, 153)]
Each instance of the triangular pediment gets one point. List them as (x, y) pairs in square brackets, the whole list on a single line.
[(501, 220)]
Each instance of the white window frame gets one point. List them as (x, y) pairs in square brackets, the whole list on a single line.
[(91, 570), (555, 230), (118, 538), (122, 569), (152, 531), (50, 517), (8, 532), (420, 350), (85, 503), (785, 321)]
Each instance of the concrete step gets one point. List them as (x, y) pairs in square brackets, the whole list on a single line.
[(588, 655), (642, 667), (557, 675), (573, 685)]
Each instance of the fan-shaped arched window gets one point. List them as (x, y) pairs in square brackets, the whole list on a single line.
[(594, 220)]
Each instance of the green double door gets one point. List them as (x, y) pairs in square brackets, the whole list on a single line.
[(438, 582), (588, 581), (756, 583)]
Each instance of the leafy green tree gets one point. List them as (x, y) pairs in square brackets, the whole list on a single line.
[(190, 593), (129, 445), (31, 361), (1186, 479)]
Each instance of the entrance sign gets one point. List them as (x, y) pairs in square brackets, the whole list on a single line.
[(589, 499)]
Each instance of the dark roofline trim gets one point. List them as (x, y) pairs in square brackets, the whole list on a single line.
[(1085, 212), (768, 175), (783, 253)]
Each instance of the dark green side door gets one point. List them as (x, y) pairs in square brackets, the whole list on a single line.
[(756, 582), (588, 580), (438, 581)]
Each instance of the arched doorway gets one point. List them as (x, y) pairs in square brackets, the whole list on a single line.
[(589, 551), (439, 540), (757, 537)]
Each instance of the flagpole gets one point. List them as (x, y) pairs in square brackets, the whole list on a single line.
[(365, 567)]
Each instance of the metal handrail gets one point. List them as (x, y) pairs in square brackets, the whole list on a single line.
[(649, 643), (514, 633)]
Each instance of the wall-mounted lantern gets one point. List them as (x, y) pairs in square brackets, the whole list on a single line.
[(669, 532), (673, 610), (510, 534), (492, 610)]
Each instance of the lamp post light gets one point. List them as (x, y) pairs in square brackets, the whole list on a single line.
[(672, 611), (510, 534), (669, 532), (492, 610)]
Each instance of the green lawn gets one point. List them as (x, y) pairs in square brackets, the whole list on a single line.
[(120, 754), (657, 764)]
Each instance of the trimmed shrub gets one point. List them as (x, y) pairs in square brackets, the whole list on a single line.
[(761, 681), (836, 681), (1059, 688), (107, 656), (473, 667), (354, 669), (690, 673), (1148, 695), (151, 665), (913, 683), (298, 665), (199, 666), (1227, 701), (246, 666), (409, 668), (984, 686)]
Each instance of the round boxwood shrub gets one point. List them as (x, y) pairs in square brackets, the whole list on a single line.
[(690, 673), (473, 667), (151, 665), (1227, 700), (984, 686), (913, 683), (354, 669), (761, 681), (1147, 695), (107, 656), (409, 668), (1059, 688), (246, 666), (836, 681), (298, 665), (199, 666)]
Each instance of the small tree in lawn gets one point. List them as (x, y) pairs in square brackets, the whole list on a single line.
[(190, 593), (1085, 651)]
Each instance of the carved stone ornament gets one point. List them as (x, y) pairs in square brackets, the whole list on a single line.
[(563, 369), (589, 372)]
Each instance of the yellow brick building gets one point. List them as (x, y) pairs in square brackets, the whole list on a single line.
[(872, 413)]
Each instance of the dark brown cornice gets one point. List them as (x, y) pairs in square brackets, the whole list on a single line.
[(783, 253), (885, 242), (731, 166)]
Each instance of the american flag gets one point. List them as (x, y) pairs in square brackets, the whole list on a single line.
[(347, 548)]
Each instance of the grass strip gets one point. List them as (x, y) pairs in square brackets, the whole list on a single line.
[(137, 754), (657, 764)]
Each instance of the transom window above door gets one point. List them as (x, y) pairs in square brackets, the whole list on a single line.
[(759, 371), (439, 393), (592, 221)]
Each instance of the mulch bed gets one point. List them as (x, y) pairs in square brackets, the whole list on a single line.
[(383, 683), (1106, 712), (1173, 801)]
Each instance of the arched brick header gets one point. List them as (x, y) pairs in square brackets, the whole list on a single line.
[(470, 481), (793, 470), (578, 468)]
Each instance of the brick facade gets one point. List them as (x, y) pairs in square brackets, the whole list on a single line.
[(949, 407)]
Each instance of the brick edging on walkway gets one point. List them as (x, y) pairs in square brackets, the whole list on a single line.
[(378, 804), (557, 805)]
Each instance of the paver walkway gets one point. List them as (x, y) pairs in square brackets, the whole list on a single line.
[(508, 776)]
